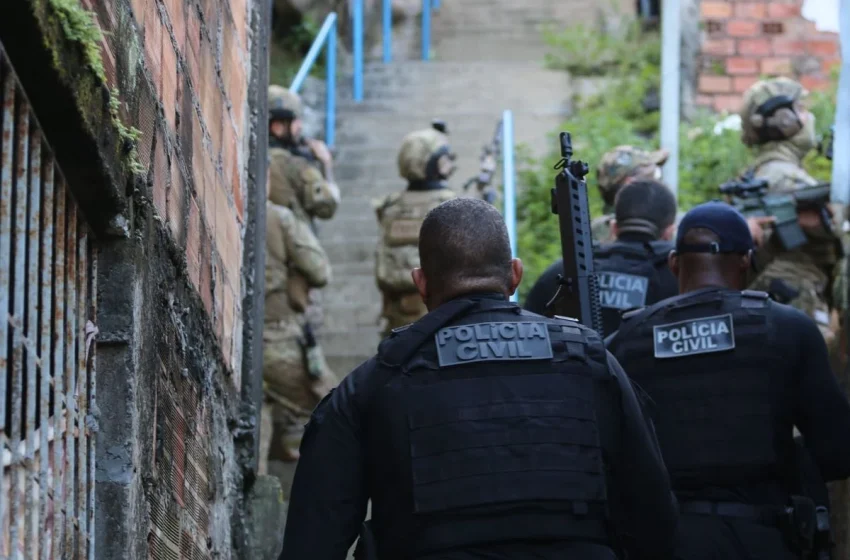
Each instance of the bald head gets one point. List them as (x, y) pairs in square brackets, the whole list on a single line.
[(464, 248)]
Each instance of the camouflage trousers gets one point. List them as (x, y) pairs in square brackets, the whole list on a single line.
[(402, 309), (290, 396), (810, 284)]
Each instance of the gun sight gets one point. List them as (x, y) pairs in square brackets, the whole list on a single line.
[(744, 189), (578, 169)]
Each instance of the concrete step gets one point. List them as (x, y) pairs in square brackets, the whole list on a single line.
[(489, 57)]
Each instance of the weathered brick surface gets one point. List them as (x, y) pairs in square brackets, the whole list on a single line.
[(195, 55), (174, 271), (749, 39)]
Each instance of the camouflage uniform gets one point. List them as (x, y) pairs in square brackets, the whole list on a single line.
[(807, 270), (299, 181), (291, 393), (302, 183), (400, 216), (616, 169)]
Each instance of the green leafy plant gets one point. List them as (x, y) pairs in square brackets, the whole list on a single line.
[(290, 43), (80, 26), (630, 62)]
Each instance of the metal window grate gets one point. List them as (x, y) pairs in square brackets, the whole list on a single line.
[(48, 288)]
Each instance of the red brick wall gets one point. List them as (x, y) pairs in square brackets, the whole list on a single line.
[(744, 40), (196, 59)]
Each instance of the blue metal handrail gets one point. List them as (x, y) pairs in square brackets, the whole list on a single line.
[(509, 182), (387, 17), (326, 34)]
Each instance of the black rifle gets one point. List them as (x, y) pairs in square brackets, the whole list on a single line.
[(489, 157), (578, 291), (751, 196)]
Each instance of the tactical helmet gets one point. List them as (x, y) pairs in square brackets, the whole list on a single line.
[(419, 153), (623, 162), (283, 104), (768, 113)]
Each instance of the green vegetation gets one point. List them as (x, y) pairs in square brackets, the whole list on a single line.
[(629, 66), (291, 41), (80, 26)]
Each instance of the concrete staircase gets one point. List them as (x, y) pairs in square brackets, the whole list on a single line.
[(488, 57)]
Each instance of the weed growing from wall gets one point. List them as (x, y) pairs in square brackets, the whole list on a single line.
[(79, 25)]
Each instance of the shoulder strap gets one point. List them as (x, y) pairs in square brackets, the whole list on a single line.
[(660, 251), (754, 299), (401, 346)]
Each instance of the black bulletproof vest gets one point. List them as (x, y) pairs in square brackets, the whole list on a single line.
[(708, 361), (488, 431), (632, 274)]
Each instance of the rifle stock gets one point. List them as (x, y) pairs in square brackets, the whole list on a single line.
[(578, 292)]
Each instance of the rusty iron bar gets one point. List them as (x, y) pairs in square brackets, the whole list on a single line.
[(48, 292), (81, 456), (91, 368), (6, 152), (31, 341), (16, 511), (71, 330), (59, 416), (47, 218)]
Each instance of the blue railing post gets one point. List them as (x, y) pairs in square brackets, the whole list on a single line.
[(508, 177), (326, 33), (426, 29), (435, 4), (388, 29), (330, 89), (358, 50)]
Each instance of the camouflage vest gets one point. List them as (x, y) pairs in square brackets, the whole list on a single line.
[(400, 217)]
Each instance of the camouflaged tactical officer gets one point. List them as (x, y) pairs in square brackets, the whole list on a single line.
[(425, 160), (301, 173), (781, 132), (301, 169), (617, 168), (292, 386)]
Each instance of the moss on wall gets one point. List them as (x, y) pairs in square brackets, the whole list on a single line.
[(79, 26)]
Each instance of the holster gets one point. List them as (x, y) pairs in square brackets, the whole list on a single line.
[(799, 525), (367, 547), (312, 352)]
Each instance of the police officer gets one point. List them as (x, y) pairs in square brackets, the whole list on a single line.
[(616, 169), (632, 270), (481, 430), (731, 373), (301, 172), (781, 132), (301, 168), (425, 160), (292, 387)]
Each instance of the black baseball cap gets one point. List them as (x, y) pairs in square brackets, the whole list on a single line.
[(724, 221)]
